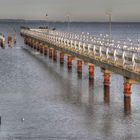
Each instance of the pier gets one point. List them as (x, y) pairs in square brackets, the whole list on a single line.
[(110, 56)]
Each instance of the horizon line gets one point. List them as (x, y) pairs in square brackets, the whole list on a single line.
[(14, 19)]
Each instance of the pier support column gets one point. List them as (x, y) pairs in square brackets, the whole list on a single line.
[(31, 43), (10, 41), (45, 50), (41, 48), (69, 62), (106, 86), (28, 42), (50, 52), (79, 66), (55, 55), (106, 94), (35, 45), (38, 45), (91, 71), (61, 58), (127, 96), (25, 41)]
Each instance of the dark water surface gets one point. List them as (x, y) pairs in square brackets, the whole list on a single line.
[(55, 103)]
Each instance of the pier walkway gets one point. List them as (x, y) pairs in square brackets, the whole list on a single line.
[(110, 56)]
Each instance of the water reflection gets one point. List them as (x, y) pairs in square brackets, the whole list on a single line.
[(106, 94), (107, 124), (127, 105), (79, 75), (128, 130), (91, 92), (69, 70)]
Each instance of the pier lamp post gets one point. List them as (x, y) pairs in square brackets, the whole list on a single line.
[(48, 22), (110, 25), (68, 23)]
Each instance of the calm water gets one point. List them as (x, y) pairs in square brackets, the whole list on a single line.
[(55, 103)]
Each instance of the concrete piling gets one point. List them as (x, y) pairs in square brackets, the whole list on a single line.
[(79, 66), (32, 43), (15, 38), (45, 50), (106, 78), (106, 94), (91, 72), (69, 62), (25, 41), (29, 42), (38, 46), (10, 41), (106, 86), (35, 47), (61, 58), (55, 55), (127, 97), (50, 52), (41, 49)]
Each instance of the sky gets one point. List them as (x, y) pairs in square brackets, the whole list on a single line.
[(78, 10)]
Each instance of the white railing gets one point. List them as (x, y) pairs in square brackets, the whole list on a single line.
[(117, 53)]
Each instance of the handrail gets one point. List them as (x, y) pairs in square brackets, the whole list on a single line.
[(98, 47)]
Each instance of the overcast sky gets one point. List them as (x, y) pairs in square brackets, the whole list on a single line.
[(79, 10)]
